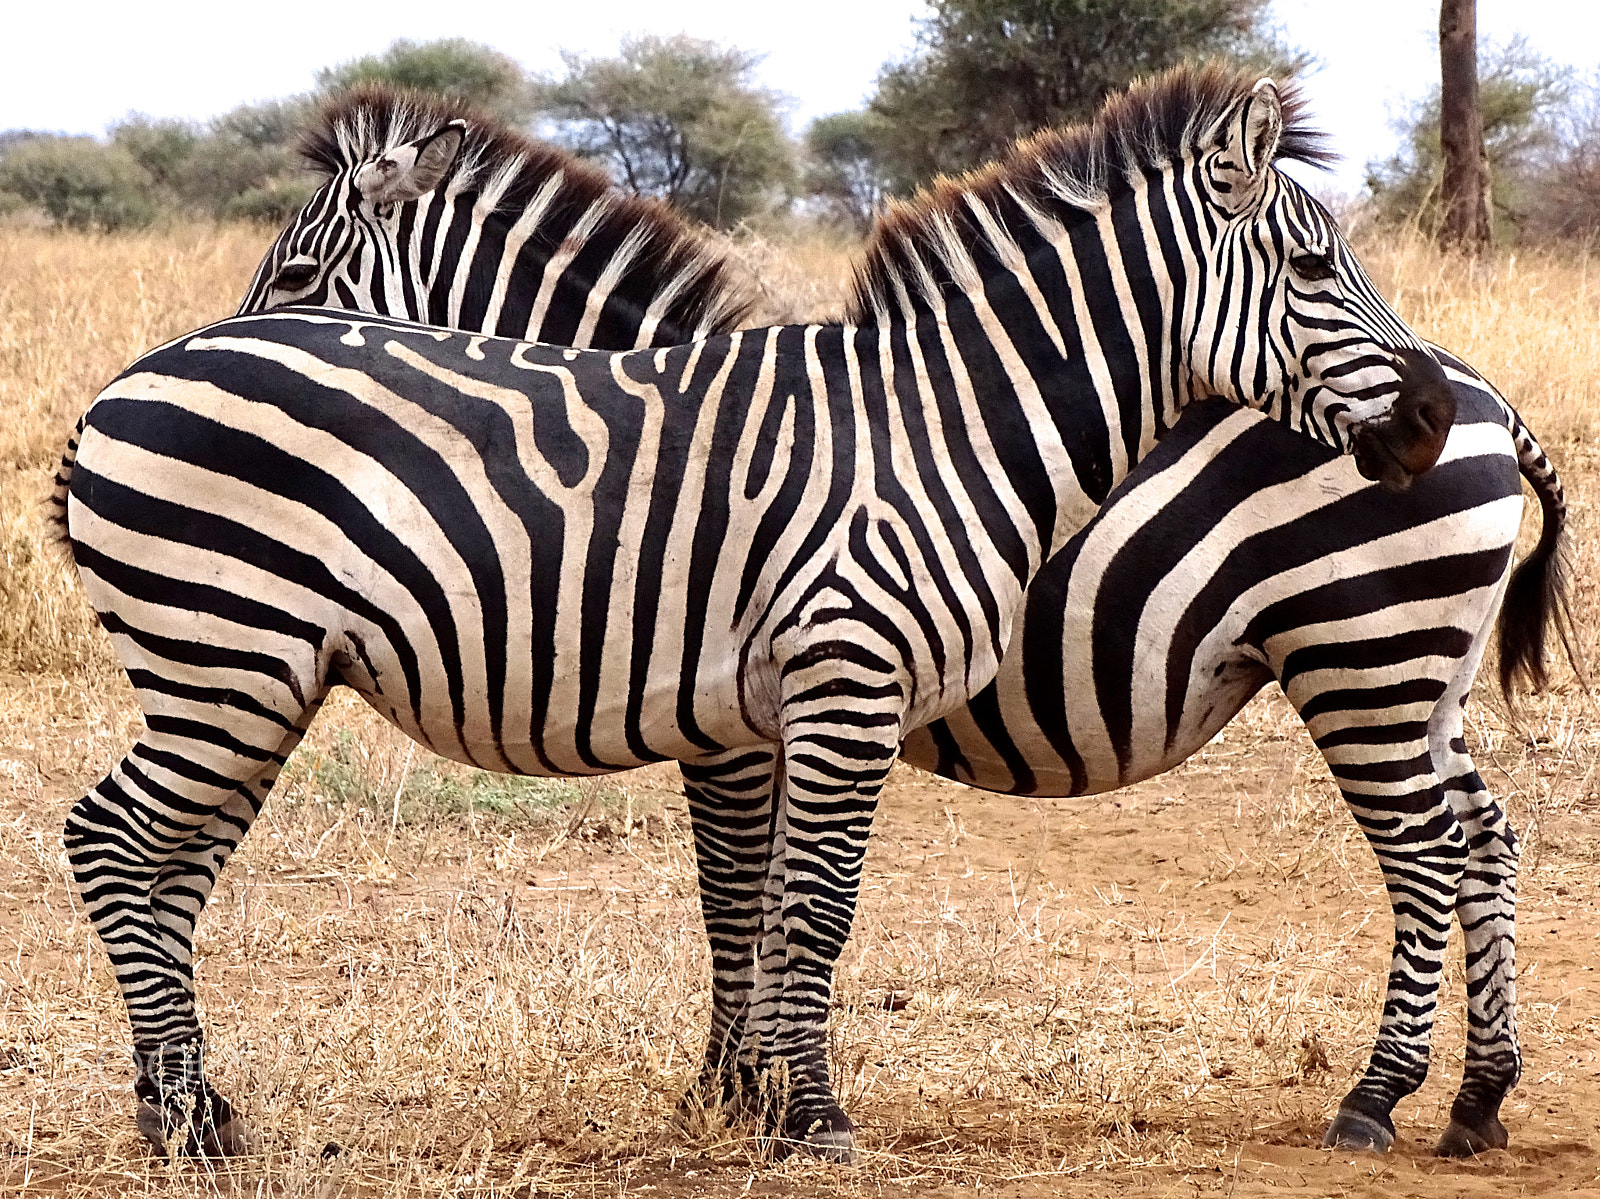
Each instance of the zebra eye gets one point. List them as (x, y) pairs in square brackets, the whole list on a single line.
[(1313, 267), (295, 274)]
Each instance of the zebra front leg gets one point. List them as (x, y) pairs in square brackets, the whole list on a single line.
[(731, 811), (146, 846), (833, 773), (1486, 907), (1422, 852)]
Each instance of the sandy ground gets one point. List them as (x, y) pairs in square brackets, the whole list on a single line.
[(1160, 993)]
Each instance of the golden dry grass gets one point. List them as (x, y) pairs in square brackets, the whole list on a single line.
[(419, 984)]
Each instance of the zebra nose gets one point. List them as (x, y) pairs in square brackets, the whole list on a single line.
[(1394, 449)]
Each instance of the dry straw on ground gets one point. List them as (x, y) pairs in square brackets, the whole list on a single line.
[(424, 981)]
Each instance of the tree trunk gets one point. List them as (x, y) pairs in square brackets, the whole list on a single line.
[(1465, 192)]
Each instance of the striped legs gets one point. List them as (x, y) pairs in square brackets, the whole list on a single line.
[(835, 765), (1422, 851), (781, 846), (730, 805), (1486, 907), (146, 845)]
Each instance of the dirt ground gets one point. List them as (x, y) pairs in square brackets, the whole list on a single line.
[(1160, 993)]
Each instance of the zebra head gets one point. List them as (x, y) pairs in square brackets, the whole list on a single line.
[(335, 249), (439, 214), (1287, 320)]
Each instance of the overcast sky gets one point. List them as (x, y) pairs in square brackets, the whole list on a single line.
[(77, 67)]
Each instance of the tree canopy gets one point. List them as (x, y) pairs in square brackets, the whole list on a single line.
[(452, 67), (1523, 98), (844, 169), (988, 71), (679, 118)]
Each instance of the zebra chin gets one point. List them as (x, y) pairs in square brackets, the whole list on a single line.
[(1395, 449)]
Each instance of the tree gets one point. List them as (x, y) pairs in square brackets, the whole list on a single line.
[(242, 165), (678, 118), (1563, 198), (79, 182), (452, 67), (844, 165), (1464, 186), (1522, 98), (988, 71)]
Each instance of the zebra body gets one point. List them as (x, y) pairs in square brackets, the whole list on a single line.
[(787, 545)]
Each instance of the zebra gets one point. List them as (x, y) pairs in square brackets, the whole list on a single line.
[(1246, 541), (1194, 587), (778, 546), (432, 211)]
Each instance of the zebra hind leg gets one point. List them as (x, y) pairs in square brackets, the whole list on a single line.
[(1486, 908), (146, 845), (1422, 852), (731, 809)]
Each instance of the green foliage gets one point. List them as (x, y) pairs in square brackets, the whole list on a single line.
[(242, 165), (79, 182), (1522, 96), (844, 168), (988, 71), (678, 118), (453, 67)]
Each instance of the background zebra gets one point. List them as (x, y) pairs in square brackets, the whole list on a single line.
[(807, 539), (431, 212), (1231, 565), (1193, 588)]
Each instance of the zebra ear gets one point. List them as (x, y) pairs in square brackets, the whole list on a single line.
[(413, 170), (1248, 145)]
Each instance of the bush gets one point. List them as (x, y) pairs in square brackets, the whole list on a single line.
[(79, 182)]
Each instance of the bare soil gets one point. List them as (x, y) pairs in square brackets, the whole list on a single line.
[(1164, 992)]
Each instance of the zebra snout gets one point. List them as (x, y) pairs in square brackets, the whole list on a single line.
[(1395, 449)]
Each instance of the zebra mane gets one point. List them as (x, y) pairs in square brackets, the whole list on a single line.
[(1150, 124), (511, 171)]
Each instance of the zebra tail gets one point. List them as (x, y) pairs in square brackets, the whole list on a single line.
[(56, 516), (1536, 599)]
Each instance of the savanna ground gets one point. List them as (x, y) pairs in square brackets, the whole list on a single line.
[(419, 980)]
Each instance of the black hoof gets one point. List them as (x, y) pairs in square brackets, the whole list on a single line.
[(828, 1135), (1357, 1130), (227, 1136), (1460, 1140)]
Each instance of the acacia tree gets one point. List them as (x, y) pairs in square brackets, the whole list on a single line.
[(844, 168), (452, 67), (987, 71), (1527, 131), (1465, 186), (679, 118)]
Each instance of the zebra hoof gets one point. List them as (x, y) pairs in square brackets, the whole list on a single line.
[(228, 1136), (151, 1122), (827, 1135), (1460, 1140), (1357, 1130)]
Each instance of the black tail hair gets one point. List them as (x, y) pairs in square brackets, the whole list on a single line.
[(1536, 599)]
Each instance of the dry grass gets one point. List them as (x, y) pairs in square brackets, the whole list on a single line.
[(420, 981)]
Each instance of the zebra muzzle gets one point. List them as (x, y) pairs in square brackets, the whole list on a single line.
[(1395, 449)]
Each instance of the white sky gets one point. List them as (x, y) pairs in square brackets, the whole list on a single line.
[(80, 66)]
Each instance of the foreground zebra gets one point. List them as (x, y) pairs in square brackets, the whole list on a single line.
[(1197, 583), (802, 541)]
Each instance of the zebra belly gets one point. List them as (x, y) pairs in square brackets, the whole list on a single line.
[(1159, 621)]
